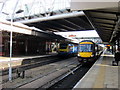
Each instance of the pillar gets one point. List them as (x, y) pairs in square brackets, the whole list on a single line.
[(1, 51), (26, 46), (118, 41)]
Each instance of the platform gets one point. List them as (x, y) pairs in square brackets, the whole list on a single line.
[(16, 61), (102, 74)]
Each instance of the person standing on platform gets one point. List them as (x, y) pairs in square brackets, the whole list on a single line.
[(117, 56)]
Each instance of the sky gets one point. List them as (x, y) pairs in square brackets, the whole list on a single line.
[(78, 34), (90, 33)]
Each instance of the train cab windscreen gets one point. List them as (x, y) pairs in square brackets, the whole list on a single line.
[(63, 46), (85, 48)]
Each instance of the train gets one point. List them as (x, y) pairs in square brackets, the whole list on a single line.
[(88, 51), (67, 49)]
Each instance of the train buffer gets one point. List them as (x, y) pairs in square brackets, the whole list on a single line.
[(20, 72)]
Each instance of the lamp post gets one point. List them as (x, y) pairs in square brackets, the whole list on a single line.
[(9, 64), (11, 33)]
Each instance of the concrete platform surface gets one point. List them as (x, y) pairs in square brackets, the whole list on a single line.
[(102, 74), (3, 59), (17, 61)]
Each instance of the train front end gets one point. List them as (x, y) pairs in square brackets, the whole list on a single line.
[(86, 51)]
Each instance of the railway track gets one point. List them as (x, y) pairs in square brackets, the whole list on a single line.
[(55, 81), (62, 74), (28, 66), (60, 70), (69, 80), (39, 72)]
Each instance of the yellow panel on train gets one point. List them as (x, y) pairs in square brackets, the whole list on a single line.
[(85, 54), (63, 50), (86, 42)]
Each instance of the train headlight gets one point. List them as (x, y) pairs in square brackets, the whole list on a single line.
[(92, 55), (78, 55)]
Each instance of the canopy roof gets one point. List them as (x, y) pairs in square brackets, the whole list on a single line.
[(59, 15)]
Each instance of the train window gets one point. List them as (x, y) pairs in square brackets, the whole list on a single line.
[(85, 48), (70, 48), (63, 46)]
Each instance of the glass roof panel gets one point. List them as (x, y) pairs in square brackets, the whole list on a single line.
[(31, 7)]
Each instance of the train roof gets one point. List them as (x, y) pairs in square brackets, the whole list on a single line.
[(87, 41), (68, 43)]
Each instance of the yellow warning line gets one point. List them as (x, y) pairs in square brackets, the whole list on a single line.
[(99, 82)]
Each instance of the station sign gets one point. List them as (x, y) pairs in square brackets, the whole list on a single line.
[(72, 36)]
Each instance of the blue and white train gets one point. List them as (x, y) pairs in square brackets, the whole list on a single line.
[(67, 49)]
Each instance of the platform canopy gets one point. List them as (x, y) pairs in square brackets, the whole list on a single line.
[(104, 16), (66, 15), (47, 15)]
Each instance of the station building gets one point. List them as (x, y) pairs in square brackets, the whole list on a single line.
[(26, 40)]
